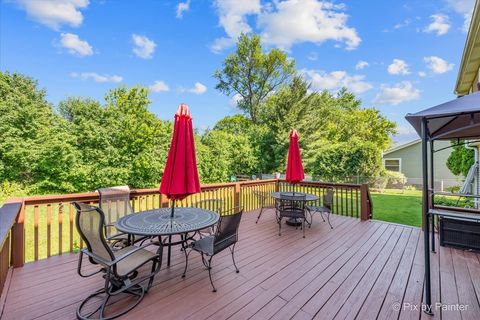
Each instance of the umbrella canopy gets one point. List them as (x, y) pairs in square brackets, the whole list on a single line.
[(456, 119), (180, 177), (294, 163)]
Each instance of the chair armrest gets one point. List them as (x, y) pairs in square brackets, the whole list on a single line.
[(133, 251)]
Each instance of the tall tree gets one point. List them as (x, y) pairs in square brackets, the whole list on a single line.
[(252, 74)]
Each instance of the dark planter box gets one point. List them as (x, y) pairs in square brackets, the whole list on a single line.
[(459, 233)]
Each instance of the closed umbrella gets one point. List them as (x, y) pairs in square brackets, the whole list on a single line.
[(294, 172), (180, 177)]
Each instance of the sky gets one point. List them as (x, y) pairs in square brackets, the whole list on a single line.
[(397, 56)]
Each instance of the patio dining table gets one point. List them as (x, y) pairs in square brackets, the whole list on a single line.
[(186, 222), (308, 197)]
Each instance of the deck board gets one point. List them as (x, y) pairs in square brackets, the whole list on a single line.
[(358, 270)]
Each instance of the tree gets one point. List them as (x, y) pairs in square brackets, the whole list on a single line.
[(35, 149), (252, 74), (460, 160)]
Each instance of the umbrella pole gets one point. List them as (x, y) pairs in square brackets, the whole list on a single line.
[(173, 209)]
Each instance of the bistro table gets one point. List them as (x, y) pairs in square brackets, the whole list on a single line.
[(158, 223), (308, 197)]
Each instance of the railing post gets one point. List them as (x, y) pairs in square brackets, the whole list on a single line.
[(236, 195), (277, 185), (365, 209), (18, 239)]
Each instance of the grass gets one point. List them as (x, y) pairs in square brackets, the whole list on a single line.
[(398, 206)]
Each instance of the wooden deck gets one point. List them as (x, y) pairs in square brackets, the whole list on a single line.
[(362, 270)]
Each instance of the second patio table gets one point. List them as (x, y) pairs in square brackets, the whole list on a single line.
[(158, 223), (308, 197)]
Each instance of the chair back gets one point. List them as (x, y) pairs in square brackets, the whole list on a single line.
[(210, 204), (115, 203), (328, 198), (226, 232), (292, 202), (90, 222)]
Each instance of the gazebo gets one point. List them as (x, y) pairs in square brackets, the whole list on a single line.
[(458, 121)]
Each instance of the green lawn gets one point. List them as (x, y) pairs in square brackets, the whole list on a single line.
[(398, 206)]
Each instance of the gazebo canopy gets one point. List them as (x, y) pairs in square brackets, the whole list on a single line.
[(456, 119)]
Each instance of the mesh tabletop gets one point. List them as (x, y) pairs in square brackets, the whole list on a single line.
[(308, 196), (158, 222)]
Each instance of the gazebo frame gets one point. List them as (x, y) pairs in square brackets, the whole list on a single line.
[(457, 120)]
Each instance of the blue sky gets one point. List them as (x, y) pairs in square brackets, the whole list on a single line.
[(397, 56)]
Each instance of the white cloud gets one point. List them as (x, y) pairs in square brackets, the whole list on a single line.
[(440, 24), (313, 56), (198, 88), (75, 45), (465, 8), (321, 80), (399, 93), (406, 130), (236, 98), (55, 13), (402, 24), (182, 7), (144, 47), (437, 64), (159, 86), (422, 74), (398, 67), (293, 21), (97, 77), (361, 64), (232, 18)]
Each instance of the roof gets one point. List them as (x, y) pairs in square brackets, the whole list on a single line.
[(402, 146), (471, 56), (455, 119)]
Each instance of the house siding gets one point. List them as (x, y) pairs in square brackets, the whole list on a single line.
[(411, 164)]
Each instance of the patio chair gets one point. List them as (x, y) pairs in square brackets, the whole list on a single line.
[(226, 236), (293, 207), (326, 208), (215, 205), (115, 203), (119, 268), (262, 198)]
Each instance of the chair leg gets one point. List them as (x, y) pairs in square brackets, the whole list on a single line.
[(303, 227), (279, 226), (328, 219), (232, 251), (210, 273), (259, 215)]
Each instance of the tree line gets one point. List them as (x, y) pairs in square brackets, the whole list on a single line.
[(82, 144)]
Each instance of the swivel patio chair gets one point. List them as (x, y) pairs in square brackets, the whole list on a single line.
[(226, 236), (292, 207), (262, 197), (118, 268), (115, 203), (326, 208)]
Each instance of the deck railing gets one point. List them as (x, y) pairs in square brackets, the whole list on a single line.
[(38, 227)]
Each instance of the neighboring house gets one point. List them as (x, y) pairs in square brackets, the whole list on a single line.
[(407, 159)]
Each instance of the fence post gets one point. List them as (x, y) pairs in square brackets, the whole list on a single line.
[(365, 208), (18, 238), (236, 195)]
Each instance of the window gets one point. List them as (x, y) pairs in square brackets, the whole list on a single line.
[(392, 164)]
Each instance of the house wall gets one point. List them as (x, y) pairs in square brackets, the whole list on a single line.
[(411, 165)]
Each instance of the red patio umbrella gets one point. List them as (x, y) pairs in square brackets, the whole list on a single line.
[(180, 177), (294, 172)]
